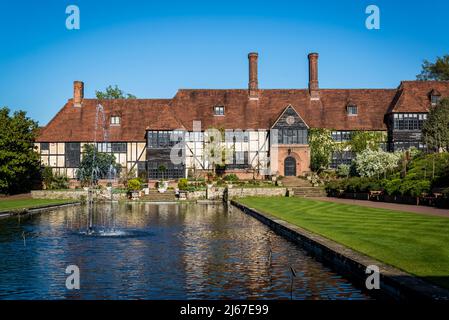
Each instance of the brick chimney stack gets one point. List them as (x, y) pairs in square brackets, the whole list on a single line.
[(313, 76), (253, 85), (78, 93)]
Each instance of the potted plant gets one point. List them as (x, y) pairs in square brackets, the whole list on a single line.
[(162, 185), (134, 186)]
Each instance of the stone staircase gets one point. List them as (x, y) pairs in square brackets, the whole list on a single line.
[(309, 192), (155, 196), (303, 188)]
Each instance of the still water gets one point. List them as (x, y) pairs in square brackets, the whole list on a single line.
[(165, 251)]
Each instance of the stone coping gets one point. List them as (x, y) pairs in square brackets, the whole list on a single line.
[(395, 284)]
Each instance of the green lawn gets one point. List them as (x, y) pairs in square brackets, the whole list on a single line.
[(6, 205), (415, 243)]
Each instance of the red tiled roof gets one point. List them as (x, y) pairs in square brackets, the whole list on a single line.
[(188, 105), (414, 96), (78, 124), (242, 113)]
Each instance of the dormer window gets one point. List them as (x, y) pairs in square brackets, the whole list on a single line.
[(115, 120), (351, 110), (219, 110), (435, 97)]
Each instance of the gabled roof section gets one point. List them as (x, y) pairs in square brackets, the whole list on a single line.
[(289, 111), (77, 124), (414, 96)]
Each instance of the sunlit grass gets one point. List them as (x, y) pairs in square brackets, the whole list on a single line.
[(15, 204), (415, 243)]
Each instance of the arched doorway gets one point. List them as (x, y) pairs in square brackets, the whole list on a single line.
[(290, 167)]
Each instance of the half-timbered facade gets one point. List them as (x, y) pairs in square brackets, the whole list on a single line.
[(263, 132)]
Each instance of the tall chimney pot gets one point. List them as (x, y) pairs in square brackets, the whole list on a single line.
[(253, 85), (313, 76), (78, 93)]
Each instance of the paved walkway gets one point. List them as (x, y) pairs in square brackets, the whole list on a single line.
[(391, 206)]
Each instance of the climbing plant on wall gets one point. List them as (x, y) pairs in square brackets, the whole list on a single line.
[(363, 140), (321, 147)]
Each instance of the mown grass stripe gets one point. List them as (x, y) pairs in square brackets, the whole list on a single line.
[(415, 243)]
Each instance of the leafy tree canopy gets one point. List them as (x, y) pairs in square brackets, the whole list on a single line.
[(439, 70), (436, 128), (19, 163), (113, 93), (97, 165)]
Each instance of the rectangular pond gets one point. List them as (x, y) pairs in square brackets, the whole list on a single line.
[(158, 251)]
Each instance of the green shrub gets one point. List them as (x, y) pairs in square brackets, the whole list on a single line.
[(414, 188), (54, 181), (134, 185), (392, 187), (60, 182), (343, 171), (335, 186), (183, 184), (231, 177)]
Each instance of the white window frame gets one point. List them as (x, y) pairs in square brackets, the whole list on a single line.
[(219, 111), (116, 120)]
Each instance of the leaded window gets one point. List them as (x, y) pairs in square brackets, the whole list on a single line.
[(164, 139), (236, 136), (240, 160), (292, 136), (406, 145), (142, 171), (165, 170), (45, 146), (341, 136), (72, 154), (112, 147), (409, 121), (341, 157)]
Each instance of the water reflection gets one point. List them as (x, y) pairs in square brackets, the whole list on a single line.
[(145, 251)]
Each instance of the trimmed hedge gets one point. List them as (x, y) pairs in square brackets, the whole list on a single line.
[(394, 187)]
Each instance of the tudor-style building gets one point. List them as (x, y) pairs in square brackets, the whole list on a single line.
[(264, 132)]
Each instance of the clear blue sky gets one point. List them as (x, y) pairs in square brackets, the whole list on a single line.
[(152, 48)]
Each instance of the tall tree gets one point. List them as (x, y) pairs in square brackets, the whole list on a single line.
[(436, 128), (113, 93), (439, 70), (19, 162)]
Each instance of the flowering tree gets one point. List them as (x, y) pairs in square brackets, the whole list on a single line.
[(370, 163)]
